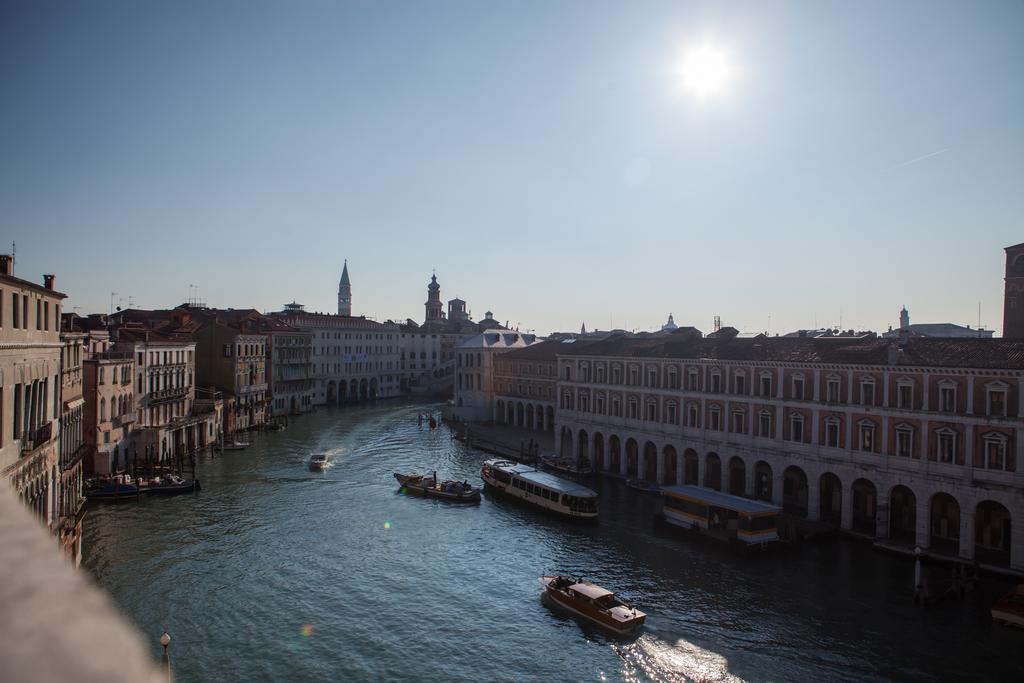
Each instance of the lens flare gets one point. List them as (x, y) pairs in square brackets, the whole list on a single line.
[(307, 630), (387, 524)]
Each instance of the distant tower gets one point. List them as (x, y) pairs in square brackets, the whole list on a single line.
[(718, 323), (670, 325), (904, 318), (583, 328), (435, 309), (1013, 301), (457, 310), (344, 292)]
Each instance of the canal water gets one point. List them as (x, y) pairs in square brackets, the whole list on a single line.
[(276, 573)]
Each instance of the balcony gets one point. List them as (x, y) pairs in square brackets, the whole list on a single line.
[(169, 394), (122, 420), (33, 439)]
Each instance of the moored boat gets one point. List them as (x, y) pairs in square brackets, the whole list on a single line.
[(119, 487), (319, 462), (643, 486), (542, 489), (233, 446), (1009, 609), (428, 485), (595, 604), (565, 466), (720, 516), (170, 485)]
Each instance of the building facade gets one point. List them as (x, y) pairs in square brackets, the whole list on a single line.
[(30, 390), (234, 363), (914, 443), (72, 448), (1013, 296), (474, 374), (109, 411), (526, 386)]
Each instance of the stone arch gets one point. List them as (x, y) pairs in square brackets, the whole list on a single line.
[(632, 463), (582, 447), (354, 389), (713, 471), (650, 472), (499, 411), (737, 476), (364, 389), (510, 415), (530, 417), (691, 467), (614, 454), (794, 491), (992, 533), (520, 414), (332, 392), (600, 455), (865, 503), (902, 514), (374, 391), (944, 524), (565, 443), (762, 481), (549, 414), (669, 465), (830, 500)]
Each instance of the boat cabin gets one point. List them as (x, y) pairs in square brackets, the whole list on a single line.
[(721, 515), (531, 484)]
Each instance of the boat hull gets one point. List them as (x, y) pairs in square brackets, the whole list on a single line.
[(472, 496), (590, 613), (172, 489)]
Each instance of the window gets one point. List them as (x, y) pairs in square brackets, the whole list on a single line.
[(867, 436), (599, 404), (766, 385), (798, 387), (693, 380), (693, 416), (633, 409), (832, 432), (764, 421), (905, 394), (652, 411), (582, 402), (867, 392), (616, 407), (740, 382), (616, 374), (832, 385), (716, 381), (715, 418), (946, 445), (15, 311), (739, 422), (995, 452), (673, 378), (672, 413), (947, 396), (904, 440), (600, 374), (652, 377), (796, 427), (996, 401), (634, 376)]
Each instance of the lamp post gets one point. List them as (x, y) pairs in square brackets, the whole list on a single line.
[(165, 660)]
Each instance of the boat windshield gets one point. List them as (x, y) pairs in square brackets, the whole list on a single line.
[(577, 504)]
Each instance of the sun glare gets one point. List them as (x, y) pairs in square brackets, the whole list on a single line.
[(705, 71)]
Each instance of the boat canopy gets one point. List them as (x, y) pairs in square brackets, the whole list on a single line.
[(548, 481), (704, 496), (589, 590)]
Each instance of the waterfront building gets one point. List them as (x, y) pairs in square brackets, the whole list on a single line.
[(234, 363), (30, 390), (72, 447), (109, 409), (474, 376), (914, 442), (526, 385)]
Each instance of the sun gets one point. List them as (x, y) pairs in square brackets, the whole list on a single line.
[(705, 71)]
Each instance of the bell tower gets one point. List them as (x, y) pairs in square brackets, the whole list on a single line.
[(435, 309), (345, 292), (1013, 296)]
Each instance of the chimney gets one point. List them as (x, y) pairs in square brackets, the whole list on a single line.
[(48, 281), (7, 265)]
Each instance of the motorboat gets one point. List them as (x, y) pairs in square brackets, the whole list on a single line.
[(234, 446), (170, 485), (319, 462), (428, 485), (118, 487), (1009, 609), (565, 466), (541, 489), (643, 486), (589, 601)]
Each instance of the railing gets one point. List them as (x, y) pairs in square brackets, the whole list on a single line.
[(32, 440), (167, 394), (122, 420)]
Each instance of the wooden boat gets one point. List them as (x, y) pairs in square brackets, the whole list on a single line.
[(643, 486), (540, 488), (720, 516), (170, 485), (120, 487), (234, 446), (564, 466), (319, 462), (1009, 609), (593, 603), (427, 485)]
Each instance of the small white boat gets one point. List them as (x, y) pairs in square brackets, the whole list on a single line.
[(234, 446), (319, 462)]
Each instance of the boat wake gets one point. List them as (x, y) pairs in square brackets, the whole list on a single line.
[(651, 658)]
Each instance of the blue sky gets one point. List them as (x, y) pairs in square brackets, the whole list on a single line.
[(539, 155)]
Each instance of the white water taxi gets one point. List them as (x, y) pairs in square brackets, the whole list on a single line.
[(590, 601), (540, 488), (319, 462)]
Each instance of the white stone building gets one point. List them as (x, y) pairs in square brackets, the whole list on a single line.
[(474, 371)]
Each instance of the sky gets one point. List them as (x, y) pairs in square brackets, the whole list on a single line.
[(544, 157)]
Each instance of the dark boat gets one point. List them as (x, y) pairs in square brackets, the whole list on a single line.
[(426, 485), (643, 486), (120, 487), (171, 485), (319, 462), (564, 466)]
